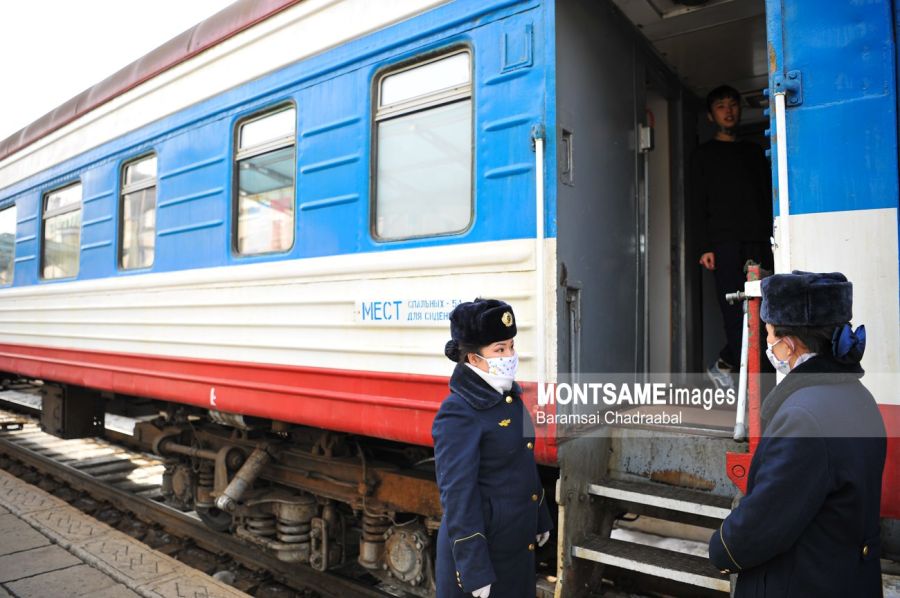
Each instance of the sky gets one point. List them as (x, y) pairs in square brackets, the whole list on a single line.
[(52, 50)]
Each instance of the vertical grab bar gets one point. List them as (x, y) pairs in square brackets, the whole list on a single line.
[(537, 134), (783, 237)]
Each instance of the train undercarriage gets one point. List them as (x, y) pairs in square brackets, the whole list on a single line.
[(304, 495)]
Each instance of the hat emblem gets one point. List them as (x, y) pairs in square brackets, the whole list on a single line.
[(507, 318)]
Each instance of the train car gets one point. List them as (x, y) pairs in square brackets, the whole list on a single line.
[(259, 229)]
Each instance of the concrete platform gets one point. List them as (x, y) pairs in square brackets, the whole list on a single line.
[(50, 549)]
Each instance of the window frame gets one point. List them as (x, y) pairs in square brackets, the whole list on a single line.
[(45, 215), (12, 206), (443, 97), (239, 155), (133, 188)]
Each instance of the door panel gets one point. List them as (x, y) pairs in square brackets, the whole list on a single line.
[(596, 202)]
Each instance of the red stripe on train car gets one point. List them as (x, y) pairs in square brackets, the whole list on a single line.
[(392, 406), (890, 482)]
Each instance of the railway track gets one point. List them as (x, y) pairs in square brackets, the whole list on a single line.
[(101, 477)]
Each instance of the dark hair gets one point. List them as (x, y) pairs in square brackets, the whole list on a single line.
[(816, 338), (720, 93), (459, 352)]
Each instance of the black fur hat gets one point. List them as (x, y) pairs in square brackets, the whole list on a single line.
[(479, 323), (806, 299)]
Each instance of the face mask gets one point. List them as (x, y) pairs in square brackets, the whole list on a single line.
[(781, 366), (504, 367)]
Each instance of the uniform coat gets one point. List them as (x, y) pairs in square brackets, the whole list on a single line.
[(809, 524), (492, 497)]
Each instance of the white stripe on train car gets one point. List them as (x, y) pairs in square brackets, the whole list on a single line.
[(298, 32), (862, 244), (291, 312)]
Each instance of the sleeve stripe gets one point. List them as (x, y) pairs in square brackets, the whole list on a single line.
[(542, 497), (469, 538), (722, 538)]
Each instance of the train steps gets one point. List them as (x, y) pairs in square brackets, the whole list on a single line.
[(667, 503)]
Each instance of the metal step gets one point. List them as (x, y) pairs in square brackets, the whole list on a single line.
[(649, 560), (668, 498)]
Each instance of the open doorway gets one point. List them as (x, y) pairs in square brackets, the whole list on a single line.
[(627, 231), (705, 44)]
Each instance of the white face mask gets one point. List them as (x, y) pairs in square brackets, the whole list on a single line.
[(503, 367), (782, 366)]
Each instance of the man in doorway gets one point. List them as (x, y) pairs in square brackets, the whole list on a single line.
[(732, 189)]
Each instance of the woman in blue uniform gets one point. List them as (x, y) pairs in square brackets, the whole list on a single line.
[(495, 511), (809, 524)]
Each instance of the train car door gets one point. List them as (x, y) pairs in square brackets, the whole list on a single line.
[(597, 240)]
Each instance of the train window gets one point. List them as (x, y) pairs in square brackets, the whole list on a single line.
[(61, 238), (265, 183), (7, 244), (423, 183), (138, 214)]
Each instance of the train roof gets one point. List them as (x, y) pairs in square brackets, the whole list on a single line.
[(224, 24)]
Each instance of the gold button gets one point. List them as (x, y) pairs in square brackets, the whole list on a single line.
[(509, 399), (530, 445), (531, 547), (534, 497), (865, 550)]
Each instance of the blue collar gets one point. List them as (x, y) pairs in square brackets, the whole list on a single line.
[(476, 391)]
